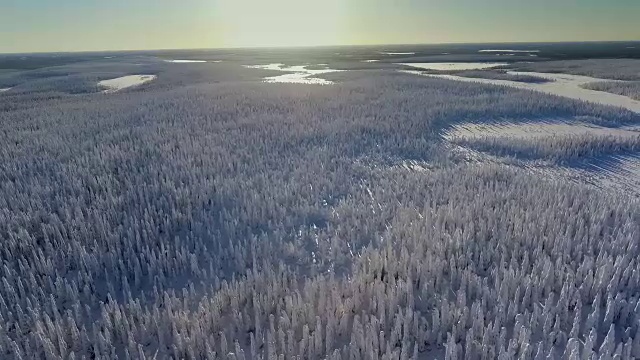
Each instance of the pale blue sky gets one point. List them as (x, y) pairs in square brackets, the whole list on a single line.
[(85, 25)]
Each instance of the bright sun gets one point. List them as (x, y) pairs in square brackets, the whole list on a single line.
[(280, 22)]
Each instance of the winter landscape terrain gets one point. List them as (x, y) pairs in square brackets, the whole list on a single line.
[(429, 202)]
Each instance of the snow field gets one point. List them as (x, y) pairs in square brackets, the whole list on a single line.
[(120, 83)]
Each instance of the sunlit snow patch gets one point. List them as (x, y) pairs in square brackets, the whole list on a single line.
[(4, 89), (413, 165), (275, 67), (397, 53), (296, 74), (565, 85), (297, 78), (508, 51), (453, 66), (117, 84), (185, 61)]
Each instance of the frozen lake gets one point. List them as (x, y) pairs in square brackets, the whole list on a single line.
[(298, 74), (117, 84)]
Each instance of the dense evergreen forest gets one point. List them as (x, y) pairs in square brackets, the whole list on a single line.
[(209, 215)]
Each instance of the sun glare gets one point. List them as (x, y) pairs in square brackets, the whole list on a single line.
[(280, 22)]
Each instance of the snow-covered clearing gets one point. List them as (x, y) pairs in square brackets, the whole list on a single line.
[(618, 172), (185, 61), (566, 85), (533, 129), (298, 74), (275, 67), (117, 84), (397, 53), (454, 66), (508, 51)]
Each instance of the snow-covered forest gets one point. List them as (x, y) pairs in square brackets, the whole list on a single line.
[(205, 214), (557, 148), (495, 74), (630, 89)]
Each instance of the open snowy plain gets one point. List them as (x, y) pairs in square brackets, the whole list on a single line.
[(320, 204)]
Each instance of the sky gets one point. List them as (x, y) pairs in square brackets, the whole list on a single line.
[(94, 25)]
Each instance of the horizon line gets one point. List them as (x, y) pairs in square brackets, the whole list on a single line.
[(284, 47)]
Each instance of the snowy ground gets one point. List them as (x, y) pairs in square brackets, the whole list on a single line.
[(533, 129), (4, 89), (397, 53), (117, 84), (625, 88), (185, 61), (617, 173), (298, 74), (454, 66), (566, 85), (620, 172), (618, 69), (508, 51)]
